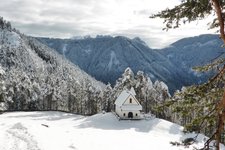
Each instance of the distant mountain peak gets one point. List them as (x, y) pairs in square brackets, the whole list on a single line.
[(109, 56), (138, 39), (81, 37)]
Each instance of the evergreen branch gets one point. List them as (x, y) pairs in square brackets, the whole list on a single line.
[(187, 11), (211, 65), (217, 76), (220, 17), (216, 135)]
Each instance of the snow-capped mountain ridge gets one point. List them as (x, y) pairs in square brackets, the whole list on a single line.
[(106, 57), (195, 51), (106, 63)]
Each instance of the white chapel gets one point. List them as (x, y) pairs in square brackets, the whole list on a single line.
[(127, 106)]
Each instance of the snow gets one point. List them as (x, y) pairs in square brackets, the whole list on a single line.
[(88, 49), (164, 86), (3, 106), (38, 62), (132, 91), (113, 60), (65, 131), (2, 72), (13, 39), (64, 49), (124, 95)]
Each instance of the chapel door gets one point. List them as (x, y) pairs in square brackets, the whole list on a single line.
[(130, 115)]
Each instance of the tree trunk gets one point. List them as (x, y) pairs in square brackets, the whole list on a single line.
[(221, 119), (220, 18), (221, 107)]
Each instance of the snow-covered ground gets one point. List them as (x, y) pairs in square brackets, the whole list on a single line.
[(65, 131)]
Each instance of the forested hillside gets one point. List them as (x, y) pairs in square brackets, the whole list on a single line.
[(35, 77)]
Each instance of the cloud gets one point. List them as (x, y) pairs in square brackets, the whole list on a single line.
[(67, 18), (49, 30)]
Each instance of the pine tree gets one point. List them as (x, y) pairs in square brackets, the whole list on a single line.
[(149, 95), (207, 99), (106, 103), (37, 78), (2, 90)]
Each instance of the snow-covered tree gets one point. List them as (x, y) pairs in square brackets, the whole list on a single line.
[(38, 78), (148, 94), (106, 104), (213, 91), (2, 90), (125, 82)]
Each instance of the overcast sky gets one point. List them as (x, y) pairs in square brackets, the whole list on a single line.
[(69, 18)]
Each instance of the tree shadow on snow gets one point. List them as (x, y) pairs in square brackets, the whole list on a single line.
[(109, 122)]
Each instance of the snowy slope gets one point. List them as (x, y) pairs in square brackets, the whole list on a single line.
[(38, 78), (64, 131)]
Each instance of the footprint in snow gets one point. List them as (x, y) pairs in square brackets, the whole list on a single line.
[(19, 139)]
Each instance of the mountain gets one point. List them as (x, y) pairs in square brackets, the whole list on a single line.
[(52, 130), (35, 77), (195, 51), (106, 58)]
